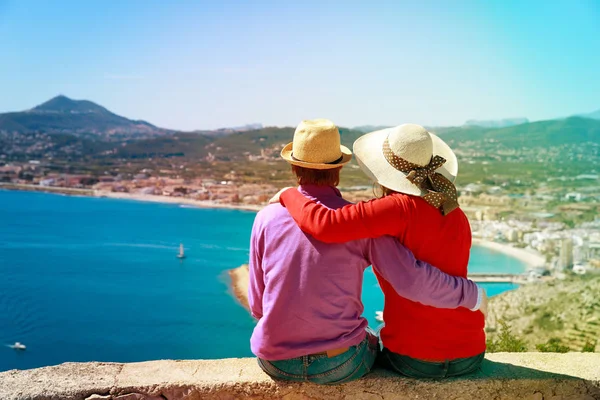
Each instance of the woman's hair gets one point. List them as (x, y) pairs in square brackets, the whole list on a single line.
[(381, 191), (319, 177)]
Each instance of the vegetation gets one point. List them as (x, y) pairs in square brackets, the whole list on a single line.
[(539, 314), (506, 341), (589, 346), (542, 133), (554, 345), (533, 164)]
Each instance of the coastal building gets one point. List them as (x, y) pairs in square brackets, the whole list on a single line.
[(512, 235), (565, 258), (48, 182)]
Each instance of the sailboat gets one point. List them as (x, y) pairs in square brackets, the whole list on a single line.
[(181, 254), (18, 346)]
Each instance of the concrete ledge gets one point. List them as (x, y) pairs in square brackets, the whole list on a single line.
[(534, 376)]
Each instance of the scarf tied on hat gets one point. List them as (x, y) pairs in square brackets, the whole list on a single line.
[(439, 191)]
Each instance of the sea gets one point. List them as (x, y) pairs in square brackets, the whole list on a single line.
[(96, 279)]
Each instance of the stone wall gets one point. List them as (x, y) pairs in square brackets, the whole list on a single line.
[(533, 376)]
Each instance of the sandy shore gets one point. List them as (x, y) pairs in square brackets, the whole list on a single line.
[(240, 280), (130, 196), (529, 257), (177, 200)]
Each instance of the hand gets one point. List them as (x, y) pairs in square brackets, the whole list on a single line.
[(275, 199), (484, 305)]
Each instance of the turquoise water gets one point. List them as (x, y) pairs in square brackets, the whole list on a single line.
[(86, 279)]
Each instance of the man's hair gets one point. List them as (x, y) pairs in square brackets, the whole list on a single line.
[(319, 177)]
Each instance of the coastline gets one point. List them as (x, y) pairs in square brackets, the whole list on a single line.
[(240, 280), (176, 200), (531, 258), (130, 196)]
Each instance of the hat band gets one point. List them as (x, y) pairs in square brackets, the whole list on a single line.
[(440, 192), (308, 162)]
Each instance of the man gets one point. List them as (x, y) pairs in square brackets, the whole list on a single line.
[(306, 294)]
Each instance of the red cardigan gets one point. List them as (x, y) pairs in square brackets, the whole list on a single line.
[(411, 328)]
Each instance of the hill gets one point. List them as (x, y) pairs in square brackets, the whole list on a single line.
[(77, 117), (574, 130), (566, 309), (501, 123), (592, 115), (233, 146), (190, 145), (77, 128)]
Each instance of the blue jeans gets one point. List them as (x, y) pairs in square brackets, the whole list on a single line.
[(319, 368), (415, 368)]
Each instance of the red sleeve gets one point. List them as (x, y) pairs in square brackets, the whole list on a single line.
[(377, 217)]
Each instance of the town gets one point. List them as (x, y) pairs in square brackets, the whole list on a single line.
[(554, 217)]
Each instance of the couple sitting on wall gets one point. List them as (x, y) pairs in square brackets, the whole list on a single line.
[(309, 250)]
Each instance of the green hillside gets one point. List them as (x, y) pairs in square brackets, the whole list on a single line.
[(565, 309), (224, 148), (191, 145), (572, 130)]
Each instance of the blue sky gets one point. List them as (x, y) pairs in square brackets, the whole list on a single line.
[(208, 64)]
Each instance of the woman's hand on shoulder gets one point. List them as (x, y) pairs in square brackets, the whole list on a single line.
[(275, 199)]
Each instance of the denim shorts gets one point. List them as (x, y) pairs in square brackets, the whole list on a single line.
[(320, 369), (415, 368)]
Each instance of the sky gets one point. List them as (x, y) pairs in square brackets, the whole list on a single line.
[(208, 64)]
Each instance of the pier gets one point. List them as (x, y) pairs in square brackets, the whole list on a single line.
[(497, 278)]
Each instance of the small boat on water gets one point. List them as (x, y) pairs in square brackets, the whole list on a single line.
[(181, 254), (379, 316), (18, 346)]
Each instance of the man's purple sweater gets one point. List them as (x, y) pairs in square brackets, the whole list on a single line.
[(306, 294)]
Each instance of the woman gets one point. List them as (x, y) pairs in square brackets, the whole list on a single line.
[(416, 171)]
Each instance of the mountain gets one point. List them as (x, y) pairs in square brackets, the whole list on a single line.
[(243, 128), (228, 131), (233, 146), (369, 128), (501, 123), (592, 115), (573, 130), (78, 117), (63, 124), (63, 104), (238, 145)]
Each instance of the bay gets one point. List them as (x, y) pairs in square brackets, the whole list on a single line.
[(92, 279)]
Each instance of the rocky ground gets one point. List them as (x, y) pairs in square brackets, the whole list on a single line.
[(568, 309)]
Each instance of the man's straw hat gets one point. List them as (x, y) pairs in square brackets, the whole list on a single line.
[(316, 145), (408, 142)]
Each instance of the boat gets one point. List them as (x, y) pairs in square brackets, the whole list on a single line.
[(18, 346), (181, 254), (379, 316)]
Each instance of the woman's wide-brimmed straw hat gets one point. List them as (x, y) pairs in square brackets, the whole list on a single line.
[(389, 155), (316, 145)]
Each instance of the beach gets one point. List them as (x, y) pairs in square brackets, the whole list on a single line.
[(131, 196), (176, 200), (530, 257)]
